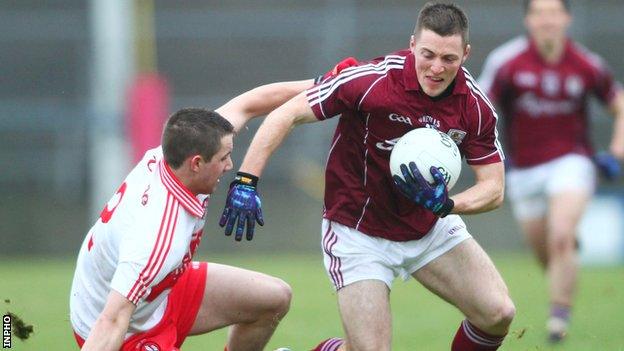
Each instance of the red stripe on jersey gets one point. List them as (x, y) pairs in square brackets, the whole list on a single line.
[(181, 192), (90, 244), (142, 276), (156, 259), (161, 258), (151, 270)]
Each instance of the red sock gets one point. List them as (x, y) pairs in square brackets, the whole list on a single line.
[(470, 338), (331, 344)]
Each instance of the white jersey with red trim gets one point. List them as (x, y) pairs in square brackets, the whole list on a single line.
[(141, 244)]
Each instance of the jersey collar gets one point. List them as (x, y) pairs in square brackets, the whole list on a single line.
[(534, 51), (410, 78), (193, 205)]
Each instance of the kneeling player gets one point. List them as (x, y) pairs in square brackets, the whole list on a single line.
[(135, 285)]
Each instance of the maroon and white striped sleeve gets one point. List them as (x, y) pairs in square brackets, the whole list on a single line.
[(345, 91), (482, 146), (606, 87), (495, 75)]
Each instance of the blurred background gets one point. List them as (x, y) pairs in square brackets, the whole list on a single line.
[(85, 88), (87, 84)]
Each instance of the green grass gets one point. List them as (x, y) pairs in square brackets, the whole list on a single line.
[(38, 292)]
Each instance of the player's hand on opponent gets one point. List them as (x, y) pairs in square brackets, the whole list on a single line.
[(608, 165), (243, 204), (433, 197), (345, 63)]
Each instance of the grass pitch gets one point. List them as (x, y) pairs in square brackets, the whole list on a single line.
[(37, 290)]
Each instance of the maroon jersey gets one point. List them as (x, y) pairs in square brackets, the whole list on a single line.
[(545, 105), (378, 103)]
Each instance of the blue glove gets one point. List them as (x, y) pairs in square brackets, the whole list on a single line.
[(433, 197), (243, 204), (608, 165)]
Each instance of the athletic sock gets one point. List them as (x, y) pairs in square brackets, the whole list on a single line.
[(471, 338), (558, 322), (331, 344), (560, 312)]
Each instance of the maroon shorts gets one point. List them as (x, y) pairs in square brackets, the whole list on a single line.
[(182, 306)]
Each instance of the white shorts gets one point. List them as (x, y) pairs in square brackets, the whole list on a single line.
[(529, 188), (352, 256)]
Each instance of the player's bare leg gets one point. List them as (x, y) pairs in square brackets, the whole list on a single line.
[(466, 277), (565, 212), (535, 233), (365, 312), (252, 303)]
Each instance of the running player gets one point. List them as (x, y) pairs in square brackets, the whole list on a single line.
[(542, 83), (373, 230)]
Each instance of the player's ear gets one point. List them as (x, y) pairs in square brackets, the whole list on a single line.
[(412, 43), (195, 162), (466, 53)]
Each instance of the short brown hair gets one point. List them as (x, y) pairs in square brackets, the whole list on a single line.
[(193, 131), (445, 19), (527, 3)]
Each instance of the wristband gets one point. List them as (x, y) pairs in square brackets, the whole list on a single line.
[(246, 179)]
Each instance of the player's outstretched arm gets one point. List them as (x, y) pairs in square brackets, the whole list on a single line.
[(617, 140), (487, 193), (274, 130), (243, 203), (264, 99), (260, 101), (111, 326)]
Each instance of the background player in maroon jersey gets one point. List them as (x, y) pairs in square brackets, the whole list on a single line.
[(542, 83), (374, 231)]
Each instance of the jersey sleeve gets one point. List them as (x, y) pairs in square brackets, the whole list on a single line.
[(145, 256), (605, 87), (494, 80), (335, 95), (345, 91), (482, 145), (339, 67)]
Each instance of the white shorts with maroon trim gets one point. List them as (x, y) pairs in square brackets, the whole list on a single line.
[(529, 188), (352, 256)]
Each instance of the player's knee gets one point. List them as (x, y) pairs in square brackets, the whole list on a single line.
[(281, 295), (505, 313), (561, 240), (500, 315)]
